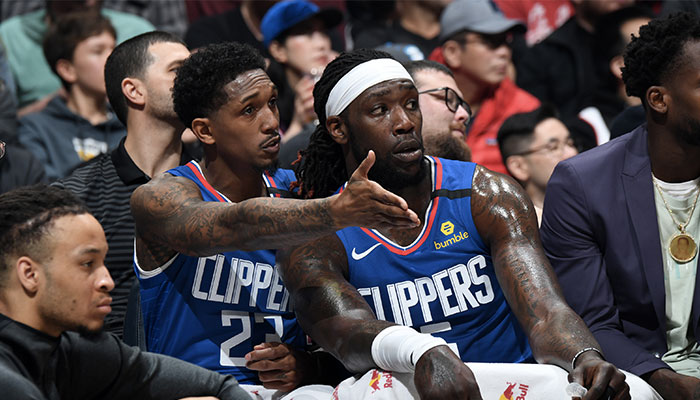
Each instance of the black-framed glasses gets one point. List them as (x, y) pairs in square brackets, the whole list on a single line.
[(554, 146), (2, 149), (452, 99)]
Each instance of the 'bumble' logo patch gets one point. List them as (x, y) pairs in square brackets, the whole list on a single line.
[(448, 228)]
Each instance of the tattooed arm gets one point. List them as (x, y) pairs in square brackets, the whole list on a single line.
[(505, 219), (336, 316), (171, 216)]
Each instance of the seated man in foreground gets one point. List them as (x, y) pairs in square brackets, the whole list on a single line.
[(473, 273), (618, 218), (54, 295), (206, 231)]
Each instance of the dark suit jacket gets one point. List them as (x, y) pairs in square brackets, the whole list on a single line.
[(600, 232)]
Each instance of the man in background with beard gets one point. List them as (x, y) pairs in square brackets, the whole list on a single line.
[(445, 113)]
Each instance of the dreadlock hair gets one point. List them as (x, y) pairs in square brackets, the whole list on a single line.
[(26, 215), (320, 169), (656, 54)]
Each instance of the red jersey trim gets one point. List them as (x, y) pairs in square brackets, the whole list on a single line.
[(431, 218), (204, 182)]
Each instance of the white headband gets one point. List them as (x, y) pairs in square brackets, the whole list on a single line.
[(361, 78)]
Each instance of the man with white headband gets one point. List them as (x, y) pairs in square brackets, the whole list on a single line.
[(205, 231), (470, 284)]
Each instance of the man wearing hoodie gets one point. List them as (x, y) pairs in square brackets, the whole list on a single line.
[(80, 126)]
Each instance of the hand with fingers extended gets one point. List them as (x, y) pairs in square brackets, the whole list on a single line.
[(280, 366), (440, 374), (601, 378), (365, 203)]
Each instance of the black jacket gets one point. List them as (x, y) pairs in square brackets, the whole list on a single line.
[(560, 69), (34, 365)]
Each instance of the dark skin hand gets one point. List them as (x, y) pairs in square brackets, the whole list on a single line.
[(672, 385), (171, 217), (280, 366), (336, 316)]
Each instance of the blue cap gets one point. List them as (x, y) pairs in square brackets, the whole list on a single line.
[(287, 14)]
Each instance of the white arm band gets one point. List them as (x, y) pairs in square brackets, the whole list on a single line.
[(398, 348)]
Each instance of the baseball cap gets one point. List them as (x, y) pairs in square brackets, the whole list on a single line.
[(480, 16), (287, 14)]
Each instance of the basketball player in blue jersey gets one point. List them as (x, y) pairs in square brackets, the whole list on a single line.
[(210, 291), (471, 280)]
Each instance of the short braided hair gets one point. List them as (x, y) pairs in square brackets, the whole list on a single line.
[(321, 168), (655, 54), (26, 215)]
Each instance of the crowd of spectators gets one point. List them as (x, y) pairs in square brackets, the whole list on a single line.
[(90, 102)]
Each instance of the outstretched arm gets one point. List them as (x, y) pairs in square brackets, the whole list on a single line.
[(336, 316), (170, 217), (505, 219)]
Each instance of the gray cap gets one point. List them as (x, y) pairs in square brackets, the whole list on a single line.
[(480, 16)]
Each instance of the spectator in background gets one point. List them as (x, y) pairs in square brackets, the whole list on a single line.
[(613, 32), (8, 105), (474, 39), (365, 14), (541, 17), (77, 128), (445, 113), (139, 77), (531, 145), (415, 27), (241, 24), (18, 167), (614, 218), (296, 35), (54, 295), (560, 70), (23, 35), (165, 15)]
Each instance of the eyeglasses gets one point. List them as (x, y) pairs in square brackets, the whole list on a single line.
[(554, 146), (452, 99), (491, 41), (2, 149)]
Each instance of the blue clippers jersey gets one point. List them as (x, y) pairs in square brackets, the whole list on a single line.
[(211, 311), (444, 282)]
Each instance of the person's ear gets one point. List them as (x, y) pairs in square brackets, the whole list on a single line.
[(201, 127), (657, 98), (452, 53), (28, 274), (518, 168), (66, 71), (134, 91), (616, 65), (278, 52), (337, 128)]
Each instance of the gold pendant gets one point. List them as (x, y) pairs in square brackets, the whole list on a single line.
[(682, 247)]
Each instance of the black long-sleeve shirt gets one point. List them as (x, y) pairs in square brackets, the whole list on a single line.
[(34, 366)]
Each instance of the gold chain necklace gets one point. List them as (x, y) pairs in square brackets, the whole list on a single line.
[(681, 246)]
